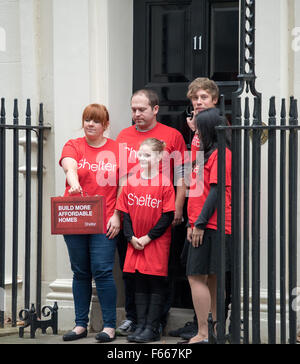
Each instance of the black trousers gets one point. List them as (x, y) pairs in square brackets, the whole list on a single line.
[(149, 284)]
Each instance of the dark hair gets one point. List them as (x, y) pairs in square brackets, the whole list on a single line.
[(150, 94), (206, 122)]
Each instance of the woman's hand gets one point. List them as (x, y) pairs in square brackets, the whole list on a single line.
[(197, 237), (113, 225), (75, 189), (136, 243)]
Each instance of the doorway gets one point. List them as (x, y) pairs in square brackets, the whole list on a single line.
[(175, 42)]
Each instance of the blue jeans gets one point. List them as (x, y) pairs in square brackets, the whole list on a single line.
[(92, 256)]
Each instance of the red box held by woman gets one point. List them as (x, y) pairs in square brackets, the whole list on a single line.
[(78, 215)]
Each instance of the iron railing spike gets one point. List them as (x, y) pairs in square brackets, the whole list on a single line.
[(2, 112), (16, 109), (291, 110), (41, 114), (283, 109), (272, 107), (28, 108)]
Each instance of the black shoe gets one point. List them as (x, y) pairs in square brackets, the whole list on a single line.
[(103, 337), (71, 335), (148, 335), (152, 332), (191, 333), (142, 303), (137, 332), (187, 328)]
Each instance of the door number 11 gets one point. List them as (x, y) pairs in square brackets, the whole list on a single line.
[(198, 43)]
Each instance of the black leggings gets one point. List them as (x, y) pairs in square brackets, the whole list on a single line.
[(145, 283)]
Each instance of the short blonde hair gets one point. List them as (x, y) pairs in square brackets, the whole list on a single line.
[(205, 84)]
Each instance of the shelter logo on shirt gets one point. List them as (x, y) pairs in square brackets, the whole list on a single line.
[(147, 201), (196, 141), (99, 166), (132, 157)]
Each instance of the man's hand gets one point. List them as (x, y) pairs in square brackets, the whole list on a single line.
[(179, 202), (178, 217), (191, 122)]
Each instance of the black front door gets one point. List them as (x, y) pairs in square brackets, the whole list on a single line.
[(177, 41)]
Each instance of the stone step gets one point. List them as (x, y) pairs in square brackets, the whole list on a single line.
[(177, 318)]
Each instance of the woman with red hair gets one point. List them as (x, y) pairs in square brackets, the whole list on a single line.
[(91, 167)]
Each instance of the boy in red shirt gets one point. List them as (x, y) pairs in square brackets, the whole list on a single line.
[(204, 94)]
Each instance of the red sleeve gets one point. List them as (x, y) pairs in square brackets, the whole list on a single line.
[(169, 199), (69, 150), (213, 177), (122, 202), (228, 167)]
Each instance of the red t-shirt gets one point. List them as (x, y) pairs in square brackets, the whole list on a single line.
[(130, 139), (98, 169), (204, 180), (145, 204)]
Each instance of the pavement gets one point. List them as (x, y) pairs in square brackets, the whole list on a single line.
[(119, 349), (11, 336)]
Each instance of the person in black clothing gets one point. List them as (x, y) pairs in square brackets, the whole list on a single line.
[(202, 234)]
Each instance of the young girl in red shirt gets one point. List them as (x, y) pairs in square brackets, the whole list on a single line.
[(148, 208)]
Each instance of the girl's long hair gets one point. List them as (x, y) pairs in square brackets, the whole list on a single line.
[(206, 122)]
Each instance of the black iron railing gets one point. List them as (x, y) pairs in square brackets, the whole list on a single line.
[(281, 200), (246, 224), (28, 313)]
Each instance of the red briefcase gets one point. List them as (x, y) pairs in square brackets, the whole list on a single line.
[(78, 215)]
